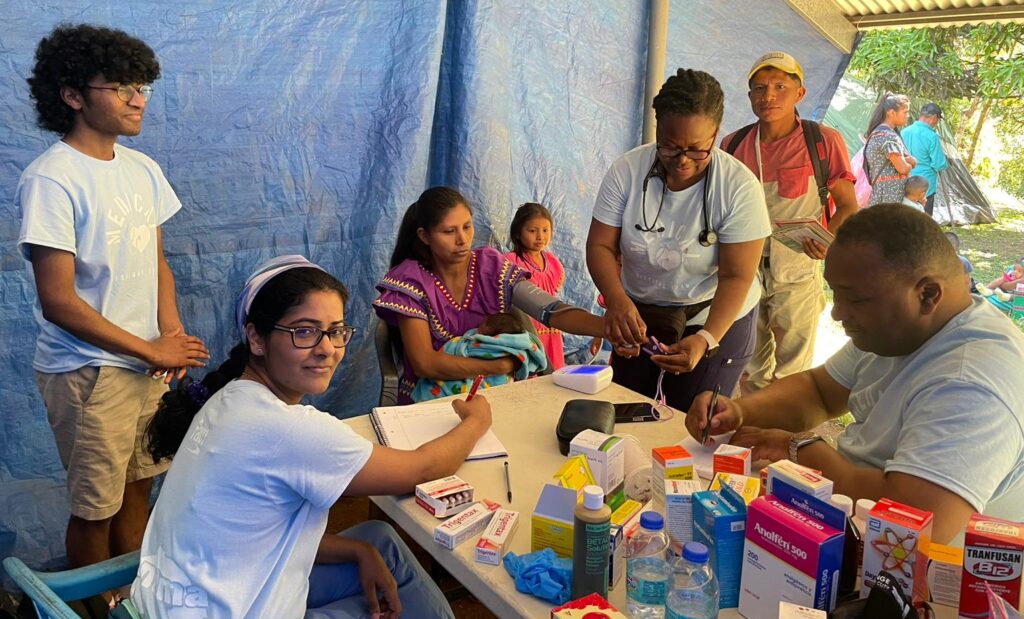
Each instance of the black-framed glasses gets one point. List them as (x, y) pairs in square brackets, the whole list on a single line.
[(696, 154), (125, 92), (310, 337)]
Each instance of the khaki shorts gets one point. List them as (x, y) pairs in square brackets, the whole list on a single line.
[(99, 417)]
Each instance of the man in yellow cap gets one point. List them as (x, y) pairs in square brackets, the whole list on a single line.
[(777, 148)]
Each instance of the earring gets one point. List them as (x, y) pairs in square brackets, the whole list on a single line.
[(258, 351)]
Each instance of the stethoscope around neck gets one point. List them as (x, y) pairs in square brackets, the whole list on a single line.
[(707, 236)]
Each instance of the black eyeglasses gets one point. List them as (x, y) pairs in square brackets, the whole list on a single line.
[(310, 337), (126, 92), (696, 154)]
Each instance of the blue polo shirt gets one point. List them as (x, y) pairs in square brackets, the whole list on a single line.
[(924, 144)]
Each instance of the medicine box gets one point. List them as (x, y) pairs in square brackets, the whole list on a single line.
[(808, 480), (574, 474), (605, 456), (993, 552), (625, 521), (789, 555), (894, 540), (494, 541), (444, 497), (731, 459), (552, 522), (672, 462), (464, 525), (792, 611), (719, 520), (679, 512), (747, 487)]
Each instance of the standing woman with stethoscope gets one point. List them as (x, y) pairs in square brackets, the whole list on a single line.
[(687, 222)]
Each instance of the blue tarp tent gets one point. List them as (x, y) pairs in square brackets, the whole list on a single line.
[(308, 127)]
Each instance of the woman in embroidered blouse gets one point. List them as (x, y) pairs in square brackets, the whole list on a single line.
[(886, 159), (439, 287)]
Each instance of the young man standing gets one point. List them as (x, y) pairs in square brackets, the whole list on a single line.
[(108, 317), (922, 141), (776, 150)]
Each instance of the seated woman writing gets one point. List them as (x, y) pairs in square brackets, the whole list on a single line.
[(439, 287), (238, 530)]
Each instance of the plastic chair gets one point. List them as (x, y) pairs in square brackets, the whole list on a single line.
[(50, 591)]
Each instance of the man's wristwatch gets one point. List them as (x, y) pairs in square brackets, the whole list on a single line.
[(712, 343), (801, 439)]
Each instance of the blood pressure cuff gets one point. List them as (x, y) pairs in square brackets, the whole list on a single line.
[(537, 304)]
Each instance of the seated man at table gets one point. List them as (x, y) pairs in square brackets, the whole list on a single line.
[(931, 376)]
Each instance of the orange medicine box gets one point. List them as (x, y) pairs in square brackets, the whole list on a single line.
[(993, 554), (672, 462), (731, 459), (895, 540)]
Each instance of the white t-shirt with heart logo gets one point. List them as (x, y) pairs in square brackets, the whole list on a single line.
[(106, 213)]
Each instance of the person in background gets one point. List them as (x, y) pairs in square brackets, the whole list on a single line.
[(239, 528), (530, 233), (688, 223), (1006, 284), (439, 287), (775, 149), (931, 375), (886, 159), (954, 240), (915, 192), (923, 143), (91, 230)]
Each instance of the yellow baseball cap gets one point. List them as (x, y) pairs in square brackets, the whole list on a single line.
[(778, 60)]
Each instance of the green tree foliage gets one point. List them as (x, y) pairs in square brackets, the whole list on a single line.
[(973, 72)]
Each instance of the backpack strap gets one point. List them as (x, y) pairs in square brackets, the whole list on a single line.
[(738, 137), (819, 162)]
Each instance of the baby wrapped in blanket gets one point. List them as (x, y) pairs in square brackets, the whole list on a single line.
[(499, 335)]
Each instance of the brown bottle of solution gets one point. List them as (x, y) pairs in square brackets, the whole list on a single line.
[(591, 543)]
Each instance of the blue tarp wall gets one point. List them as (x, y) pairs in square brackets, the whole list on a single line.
[(308, 127)]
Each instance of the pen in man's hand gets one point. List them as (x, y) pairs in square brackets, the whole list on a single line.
[(476, 385), (711, 413), (508, 482)]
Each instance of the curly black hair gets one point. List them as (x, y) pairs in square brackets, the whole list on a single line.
[(74, 54), (690, 93)]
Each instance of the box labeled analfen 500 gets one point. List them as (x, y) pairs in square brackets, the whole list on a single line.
[(993, 554), (790, 554)]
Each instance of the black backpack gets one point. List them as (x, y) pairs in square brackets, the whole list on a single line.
[(816, 150)]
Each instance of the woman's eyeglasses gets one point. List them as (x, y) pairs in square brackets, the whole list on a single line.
[(310, 337)]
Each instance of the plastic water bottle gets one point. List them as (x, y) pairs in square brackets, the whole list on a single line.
[(694, 591), (647, 571)]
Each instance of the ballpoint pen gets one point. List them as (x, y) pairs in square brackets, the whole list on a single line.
[(711, 413), (476, 385), (508, 482)]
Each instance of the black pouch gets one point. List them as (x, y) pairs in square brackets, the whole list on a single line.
[(580, 415)]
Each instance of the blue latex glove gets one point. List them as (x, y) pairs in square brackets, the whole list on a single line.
[(542, 574)]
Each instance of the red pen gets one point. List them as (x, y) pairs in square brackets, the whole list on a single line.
[(476, 385)]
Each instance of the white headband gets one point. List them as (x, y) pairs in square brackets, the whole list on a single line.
[(263, 274)]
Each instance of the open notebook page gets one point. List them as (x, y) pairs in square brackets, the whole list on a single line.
[(408, 427)]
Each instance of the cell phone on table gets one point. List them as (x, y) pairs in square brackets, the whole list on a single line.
[(634, 412)]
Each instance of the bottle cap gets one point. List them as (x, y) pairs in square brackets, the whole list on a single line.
[(863, 507), (843, 502), (651, 521), (593, 497), (696, 552)]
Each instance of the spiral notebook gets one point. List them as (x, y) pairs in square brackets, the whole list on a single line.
[(408, 427)]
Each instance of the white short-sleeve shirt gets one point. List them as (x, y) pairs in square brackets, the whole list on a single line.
[(107, 214), (672, 267), (243, 508), (952, 412)]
